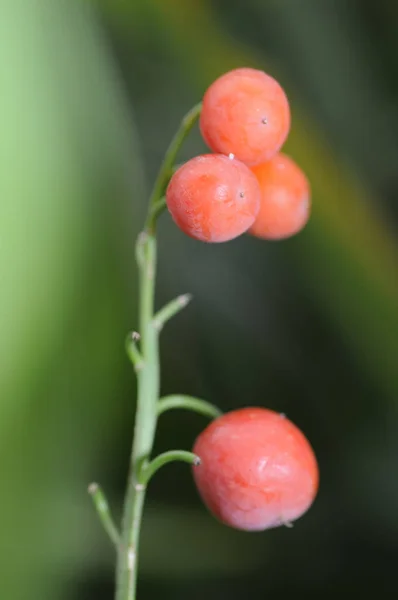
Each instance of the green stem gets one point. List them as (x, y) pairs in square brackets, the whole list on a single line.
[(104, 513), (171, 309), (148, 374), (158, 207), (168, 162), (164, 459), (188, 403), (145, 424)]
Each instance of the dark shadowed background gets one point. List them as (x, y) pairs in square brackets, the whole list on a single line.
[(90, 94)]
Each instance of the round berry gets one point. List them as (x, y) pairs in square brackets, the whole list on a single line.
[(257, 469), (285, 199), (213, 198), (245, 112)]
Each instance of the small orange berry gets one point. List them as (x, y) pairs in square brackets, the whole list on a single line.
[(285, 199), (245, 112), (213, 198), (257, 471)]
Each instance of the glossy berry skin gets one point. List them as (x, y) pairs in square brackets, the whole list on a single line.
[(285, 199), (245, 112), (213, 198), (257, 471)]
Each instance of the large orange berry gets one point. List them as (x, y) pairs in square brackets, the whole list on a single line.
[(285, 199), (213, 198), (257, 469), (245, 112)]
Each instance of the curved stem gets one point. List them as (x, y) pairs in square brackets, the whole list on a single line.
[(132, 350), (164, 459), (167, 166), (188, 403)]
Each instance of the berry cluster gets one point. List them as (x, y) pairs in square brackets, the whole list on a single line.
[(257, 469), (247, 185)]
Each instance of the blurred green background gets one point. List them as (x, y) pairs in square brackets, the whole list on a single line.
[(90, 94)]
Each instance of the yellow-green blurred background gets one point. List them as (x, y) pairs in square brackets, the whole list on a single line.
[(90, 94)]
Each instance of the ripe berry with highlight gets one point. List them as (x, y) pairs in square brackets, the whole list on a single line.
[(285, 199), (213, 198), (257, 471), (245, 112)]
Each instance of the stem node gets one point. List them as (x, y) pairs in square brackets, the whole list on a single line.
[(131, 556)]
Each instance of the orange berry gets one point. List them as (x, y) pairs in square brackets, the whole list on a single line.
[(285, 199), (245, 112), (213, 198), (257, 471)]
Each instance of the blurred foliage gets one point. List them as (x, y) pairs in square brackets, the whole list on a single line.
[(308, 326)]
